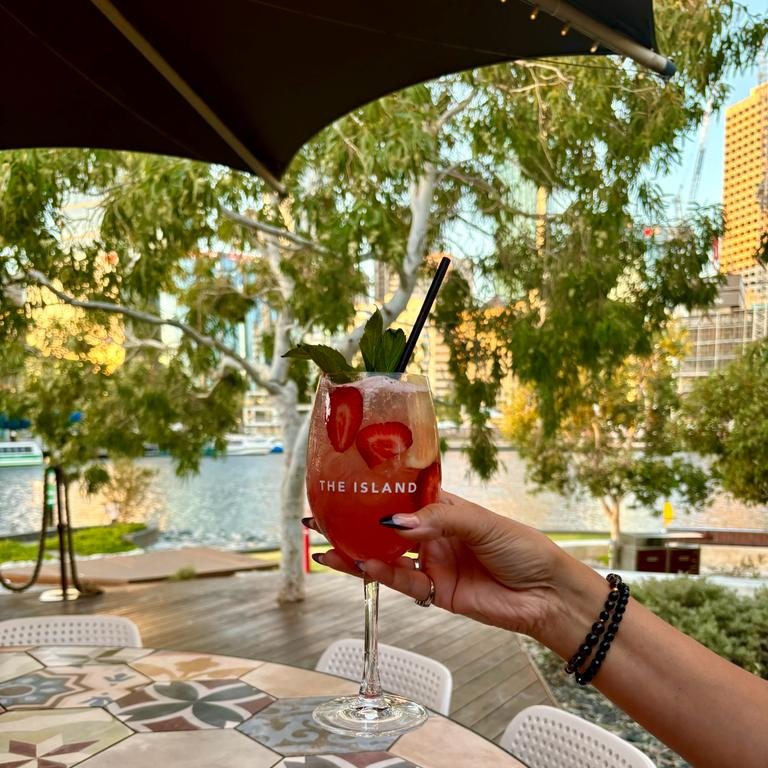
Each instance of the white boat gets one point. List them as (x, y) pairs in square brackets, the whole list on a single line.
[(20, 453), (251, 445)]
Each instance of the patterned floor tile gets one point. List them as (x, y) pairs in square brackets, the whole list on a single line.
[(184, 705), (287, 727), (285, 682), (166, 665), (360, 760), (55, 738), (14, 648), (15, 664), (200, 749), (80, 655), (94, 686)]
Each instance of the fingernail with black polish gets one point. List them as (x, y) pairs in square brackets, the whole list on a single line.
[(318, 557), (307, 521), (388, 522)]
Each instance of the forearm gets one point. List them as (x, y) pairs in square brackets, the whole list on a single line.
[(710, 711)]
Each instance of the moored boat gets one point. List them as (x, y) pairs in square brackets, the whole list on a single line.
[(243, 445), (20, 453), (246, 445), (251, 445)]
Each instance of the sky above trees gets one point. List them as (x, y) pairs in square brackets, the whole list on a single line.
[(710, 191)]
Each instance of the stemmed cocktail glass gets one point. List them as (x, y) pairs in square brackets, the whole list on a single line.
[(373, 452)]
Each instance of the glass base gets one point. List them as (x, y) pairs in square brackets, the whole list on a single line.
[(359, 716)]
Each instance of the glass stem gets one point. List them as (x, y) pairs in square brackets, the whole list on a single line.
[(370, 688)]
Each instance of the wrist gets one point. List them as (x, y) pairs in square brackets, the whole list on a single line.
[(577, 597)]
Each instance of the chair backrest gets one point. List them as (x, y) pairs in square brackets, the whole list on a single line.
[(402, 672), (70, 630), (547, 737)]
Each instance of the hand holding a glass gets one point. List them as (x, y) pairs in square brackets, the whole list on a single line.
[(506, 574), (483, 565), (372, 453)]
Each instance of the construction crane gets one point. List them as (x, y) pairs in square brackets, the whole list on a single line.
[(699, 163)]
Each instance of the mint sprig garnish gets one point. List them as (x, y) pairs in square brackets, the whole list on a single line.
[(328, 359), (381, 350)]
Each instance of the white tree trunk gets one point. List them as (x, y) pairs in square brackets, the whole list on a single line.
[(294, 431), (292, 495)]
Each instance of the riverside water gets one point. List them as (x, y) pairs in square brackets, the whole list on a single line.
[(234, 502)]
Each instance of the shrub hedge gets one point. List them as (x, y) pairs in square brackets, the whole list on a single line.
[(732, 625)]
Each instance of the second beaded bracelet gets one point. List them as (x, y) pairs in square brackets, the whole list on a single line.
[(601, 634)]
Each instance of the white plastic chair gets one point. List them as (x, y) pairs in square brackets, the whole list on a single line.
[(99, 629), (402, 672), (547, 737)]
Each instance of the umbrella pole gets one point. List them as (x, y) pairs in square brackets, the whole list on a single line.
[(605, 36)]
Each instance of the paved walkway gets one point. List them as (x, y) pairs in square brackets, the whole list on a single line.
[(148, 566)]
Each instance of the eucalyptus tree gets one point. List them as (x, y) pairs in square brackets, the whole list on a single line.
[(622, 443), (596, 276), (421, 170), (365, 191)]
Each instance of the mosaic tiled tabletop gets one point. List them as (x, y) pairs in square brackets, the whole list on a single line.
[(110, 707)]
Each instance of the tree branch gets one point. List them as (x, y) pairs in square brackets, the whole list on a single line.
[(147, 317), (422, 193), (269, 229), (450, 113)]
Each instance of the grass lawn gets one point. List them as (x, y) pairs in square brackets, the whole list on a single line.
[(102, 540), (108, 539), (577, 536)]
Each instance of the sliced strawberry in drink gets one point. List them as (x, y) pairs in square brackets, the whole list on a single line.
[(428, 485), (382, 441), (344, 417)]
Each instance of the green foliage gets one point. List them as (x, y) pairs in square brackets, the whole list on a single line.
[(104, 539), (327, 359), (726, 421), (731, 625), (381, 350), (577, 293), (11, 550), (183, 574), (79, 409), (624, 441), (100, 540), (584, 288)]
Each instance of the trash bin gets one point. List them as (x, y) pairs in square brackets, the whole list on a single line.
[(656, 554), (683, 558), (641, 552)]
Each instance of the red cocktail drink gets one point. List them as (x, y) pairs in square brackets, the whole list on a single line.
[(373, 451)]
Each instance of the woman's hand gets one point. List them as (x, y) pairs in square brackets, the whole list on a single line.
[(484, 566)]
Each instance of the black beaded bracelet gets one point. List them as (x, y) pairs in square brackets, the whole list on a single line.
[(602, 633)]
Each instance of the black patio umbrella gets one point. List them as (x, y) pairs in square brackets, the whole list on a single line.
[(246, 83)]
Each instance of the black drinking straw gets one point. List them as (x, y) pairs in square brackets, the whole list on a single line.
[(429, 300)]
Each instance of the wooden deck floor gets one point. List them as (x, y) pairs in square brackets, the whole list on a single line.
[(493, 677)]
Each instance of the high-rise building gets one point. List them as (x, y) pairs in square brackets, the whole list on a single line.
[(717, 336), (745, 191)]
